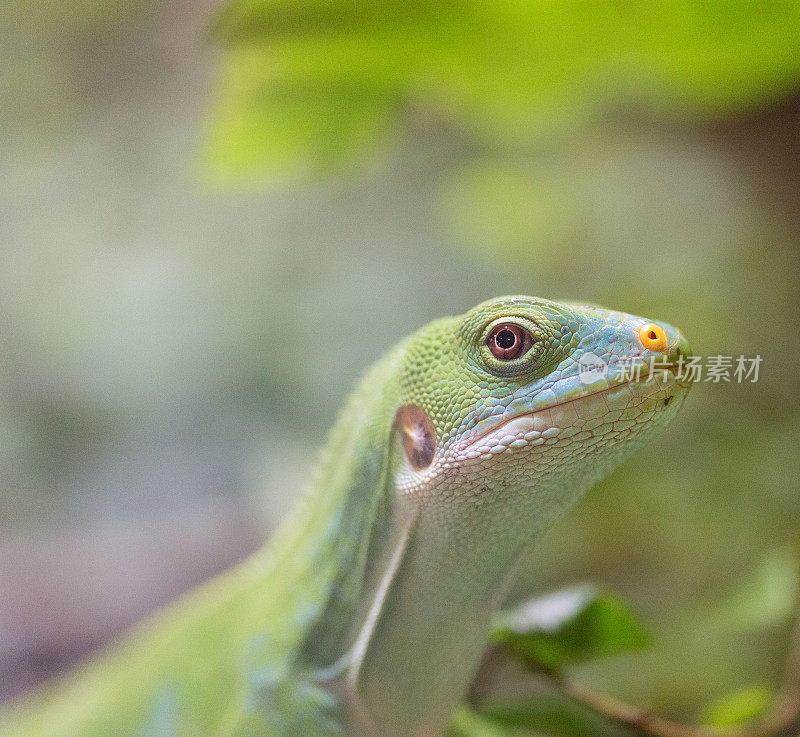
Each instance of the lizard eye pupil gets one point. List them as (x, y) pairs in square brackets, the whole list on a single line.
[(508, 341), (505, 339)]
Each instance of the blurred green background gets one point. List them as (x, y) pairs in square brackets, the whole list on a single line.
[(213, 217)]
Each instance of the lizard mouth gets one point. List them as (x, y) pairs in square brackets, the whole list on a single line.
[(569, 416)]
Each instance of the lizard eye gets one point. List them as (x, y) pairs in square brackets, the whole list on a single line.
[(508, 340)]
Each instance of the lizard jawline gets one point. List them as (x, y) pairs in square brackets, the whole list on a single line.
[(534, 424)]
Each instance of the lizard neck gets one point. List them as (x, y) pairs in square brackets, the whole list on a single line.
[(418, 650), (426, 630)]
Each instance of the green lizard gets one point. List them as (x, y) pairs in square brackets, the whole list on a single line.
[(367, 613)]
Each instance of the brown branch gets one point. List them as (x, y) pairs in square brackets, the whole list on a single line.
[(639, 720), (782, 720)]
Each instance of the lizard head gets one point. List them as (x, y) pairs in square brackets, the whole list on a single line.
[(521, 404), (504, 416)]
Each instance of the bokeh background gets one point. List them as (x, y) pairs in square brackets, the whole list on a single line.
[(213, 217)]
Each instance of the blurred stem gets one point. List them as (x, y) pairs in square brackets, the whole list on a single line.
[(782, 720)]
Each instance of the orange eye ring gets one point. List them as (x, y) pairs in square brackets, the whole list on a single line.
[(653, 337)]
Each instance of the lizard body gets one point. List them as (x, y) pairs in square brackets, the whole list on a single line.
[(367, 613)]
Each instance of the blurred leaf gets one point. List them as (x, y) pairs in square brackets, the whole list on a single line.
[(552, 714), (292, 133), (569, 626), (468, 723), (739, 707), (767, 597), (307, 81)]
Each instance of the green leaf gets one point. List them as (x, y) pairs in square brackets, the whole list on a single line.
[(739, 707), (573, 625), (468, 723), (551, 714), (767, 597), (317, 83)]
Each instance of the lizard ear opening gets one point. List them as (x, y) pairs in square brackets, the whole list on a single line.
[(418, 435)]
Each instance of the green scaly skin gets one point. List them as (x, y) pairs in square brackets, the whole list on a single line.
[(367, 613)]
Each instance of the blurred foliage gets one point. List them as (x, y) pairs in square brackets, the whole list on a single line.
[(306, 85), (570, 626), (546, 713), (467, 723), (768, 597), (739, 707), (582, 623)]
